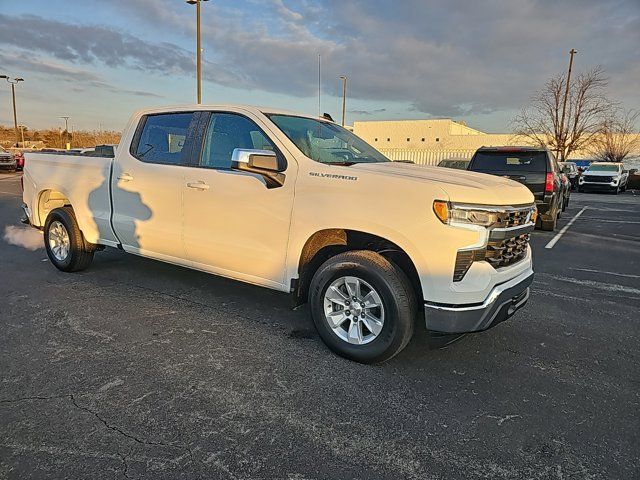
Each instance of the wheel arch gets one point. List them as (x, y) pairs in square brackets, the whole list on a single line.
[(48, 200), (328, 242)]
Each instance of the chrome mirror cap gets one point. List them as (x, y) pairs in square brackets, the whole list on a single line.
[(242, 155)]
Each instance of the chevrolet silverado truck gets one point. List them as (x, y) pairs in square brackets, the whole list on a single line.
[(300, 205), (604, 177)]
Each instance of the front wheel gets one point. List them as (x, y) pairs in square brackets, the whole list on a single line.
[(363, 306), (66, 247)]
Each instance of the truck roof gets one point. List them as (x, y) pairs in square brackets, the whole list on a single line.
[(514, 148), (224, 106)]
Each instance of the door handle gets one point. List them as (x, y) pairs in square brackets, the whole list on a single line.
[(200, 185), (125, 177)]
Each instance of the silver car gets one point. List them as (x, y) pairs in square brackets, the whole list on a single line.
[(7, 160)]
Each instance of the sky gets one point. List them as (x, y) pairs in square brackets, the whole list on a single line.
[(478, 61)]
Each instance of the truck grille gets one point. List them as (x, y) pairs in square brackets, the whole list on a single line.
[(597, 179), (499, 253), (503, 253), (514, 217)]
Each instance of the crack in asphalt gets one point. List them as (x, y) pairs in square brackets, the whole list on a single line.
[(141, 441), (114, 428)]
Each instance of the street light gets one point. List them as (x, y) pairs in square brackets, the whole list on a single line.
[(198, 48), (22, 127), (13, 82), (66, 132), (344, 96)]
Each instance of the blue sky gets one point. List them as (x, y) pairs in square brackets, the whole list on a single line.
[(97, 60)]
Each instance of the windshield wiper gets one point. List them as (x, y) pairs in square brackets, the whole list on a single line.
[(343, 163)]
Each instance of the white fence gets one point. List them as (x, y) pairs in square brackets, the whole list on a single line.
[(424, 156)]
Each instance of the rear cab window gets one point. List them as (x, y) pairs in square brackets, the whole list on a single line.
[(161, 138), (507, 161)]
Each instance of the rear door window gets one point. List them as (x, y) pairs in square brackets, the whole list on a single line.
[(163, 138), (509, 161)]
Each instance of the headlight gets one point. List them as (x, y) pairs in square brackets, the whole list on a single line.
[(450, 213)]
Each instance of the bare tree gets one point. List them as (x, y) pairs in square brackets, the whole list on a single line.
[(618, 138), (587, 108)]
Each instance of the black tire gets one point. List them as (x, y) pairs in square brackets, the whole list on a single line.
[(580, 190), (398, 300), (80, 251), (549, 225)]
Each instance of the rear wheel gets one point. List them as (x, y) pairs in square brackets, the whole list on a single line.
[(66, 247), (549, 225), (363, 306)]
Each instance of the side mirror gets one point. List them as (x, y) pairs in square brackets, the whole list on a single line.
[(260, 162), (633, 171)]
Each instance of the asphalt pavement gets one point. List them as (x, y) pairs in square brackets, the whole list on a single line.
[(139, 369)]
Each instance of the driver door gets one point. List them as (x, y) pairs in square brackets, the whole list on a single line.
[(233, 224)]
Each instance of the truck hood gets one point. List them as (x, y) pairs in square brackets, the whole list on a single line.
[(460, 185), (601, 174)]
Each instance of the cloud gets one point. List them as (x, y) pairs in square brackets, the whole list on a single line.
[(368, 112), (25, 62), (91, 44), (442, 57)]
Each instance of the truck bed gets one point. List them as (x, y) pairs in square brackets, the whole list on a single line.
[(79, 180)]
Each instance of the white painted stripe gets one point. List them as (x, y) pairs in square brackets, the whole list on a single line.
[(627, 275), (608, 287), (555, 239), (606, 220)]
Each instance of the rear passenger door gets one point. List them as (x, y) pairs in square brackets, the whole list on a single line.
[(147, 185)]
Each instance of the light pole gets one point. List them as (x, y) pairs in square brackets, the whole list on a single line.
[(66, 132), (344, 96), (564, 103), (13, 82), (198, 48)]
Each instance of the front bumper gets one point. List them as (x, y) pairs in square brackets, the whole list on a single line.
[(503, 301), (596, 186), (8, 166)]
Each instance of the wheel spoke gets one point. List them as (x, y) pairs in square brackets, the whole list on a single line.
[(352, 284), (373, 324), (335, 295), (371, 300), (355, 333), (336, 318)]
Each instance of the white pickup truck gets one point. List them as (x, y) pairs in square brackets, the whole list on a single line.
[(301, 205), (604, 176)]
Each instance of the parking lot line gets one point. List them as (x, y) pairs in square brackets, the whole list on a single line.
[(590, 270), (555, 239)]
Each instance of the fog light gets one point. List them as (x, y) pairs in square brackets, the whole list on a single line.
[(464, 260)]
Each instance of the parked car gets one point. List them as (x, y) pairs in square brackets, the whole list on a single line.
[(265, 196), (19, 156), (7, 161), (534, 167), (634, 179), (604, 176), (566, 190), (570, 169), (458, 164)]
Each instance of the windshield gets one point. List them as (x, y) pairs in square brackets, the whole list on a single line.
[(489, 161), (326, 142), (603, 168)]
